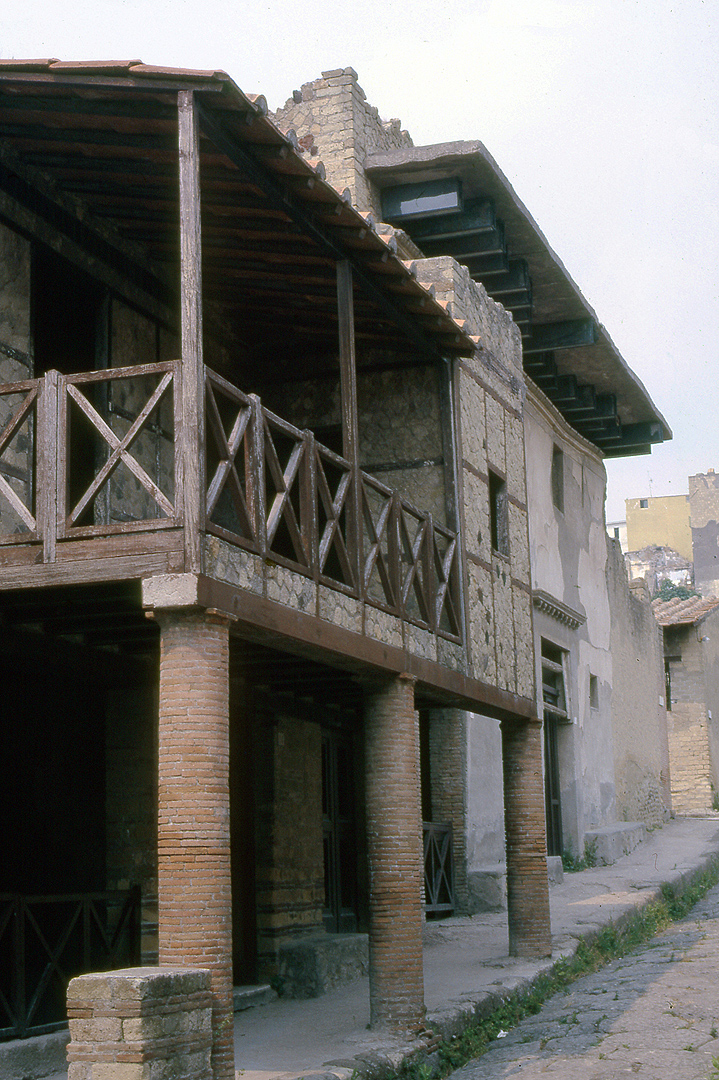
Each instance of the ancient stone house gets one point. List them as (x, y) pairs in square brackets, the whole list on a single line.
[(262, 504), (691, 658), (457, 219)]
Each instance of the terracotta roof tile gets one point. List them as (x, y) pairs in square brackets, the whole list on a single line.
[(683, 612)]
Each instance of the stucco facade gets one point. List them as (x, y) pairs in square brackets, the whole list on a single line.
[(663, 520)]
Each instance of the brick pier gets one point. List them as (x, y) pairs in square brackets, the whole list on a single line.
[(194, 885), (530, 933), (394, 841)]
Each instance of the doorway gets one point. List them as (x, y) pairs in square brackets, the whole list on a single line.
[(339, 833)]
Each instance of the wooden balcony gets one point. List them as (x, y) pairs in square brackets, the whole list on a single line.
[(94, 474)]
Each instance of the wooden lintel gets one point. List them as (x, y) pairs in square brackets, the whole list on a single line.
[(268, 622)]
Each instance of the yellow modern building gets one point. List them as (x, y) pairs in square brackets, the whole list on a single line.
[(664, 521)]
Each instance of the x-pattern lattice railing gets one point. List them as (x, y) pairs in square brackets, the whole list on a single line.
[(114, 447), (18, 417), (48, 939), (438, 867), (102, 453)]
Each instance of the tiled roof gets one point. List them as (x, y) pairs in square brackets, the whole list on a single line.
[(683, 612)]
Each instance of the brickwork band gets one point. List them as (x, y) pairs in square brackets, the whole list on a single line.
[(194, 886), (394, 842), (530, 932)]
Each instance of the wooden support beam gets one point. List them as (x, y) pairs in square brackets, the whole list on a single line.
[(255, 170), (516, 282), (634, 436), (348, 391), (470, 245), (561, 335), (193, 374)]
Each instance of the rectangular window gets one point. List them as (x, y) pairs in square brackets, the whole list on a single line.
[(593, 692), (554, 681), (558, 478), (498, 514), (644, 504)]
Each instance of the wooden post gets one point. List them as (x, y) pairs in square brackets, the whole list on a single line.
[(48, 475), (350, 422), (193, 371)]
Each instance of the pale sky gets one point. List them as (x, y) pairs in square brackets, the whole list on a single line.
[(603, 114)]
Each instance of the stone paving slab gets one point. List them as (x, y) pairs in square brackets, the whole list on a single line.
[(653, 1014)]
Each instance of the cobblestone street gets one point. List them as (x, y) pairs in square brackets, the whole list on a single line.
[(654, 1014)]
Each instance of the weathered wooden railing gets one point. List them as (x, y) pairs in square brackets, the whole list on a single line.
[(438, 868), (99, 453), (275, 490), (47, 940)]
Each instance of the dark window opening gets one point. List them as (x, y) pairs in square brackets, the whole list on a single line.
[(558, 478), (593, 692), (66, 310), (644, 504), (668, 684), (498, 514)]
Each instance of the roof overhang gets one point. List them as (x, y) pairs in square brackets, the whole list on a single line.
[(89, 164), (556, 301)]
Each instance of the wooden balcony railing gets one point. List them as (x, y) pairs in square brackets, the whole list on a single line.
[(47, 940), (438, 868), (98, 453)]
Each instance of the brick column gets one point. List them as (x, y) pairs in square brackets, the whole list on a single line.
[(530, 932), (394, 843), (194, 887)]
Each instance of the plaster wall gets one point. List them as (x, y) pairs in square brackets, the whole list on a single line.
[(704, 510), (639, 718), (709, 631), (664, 522), (485, 798), (568, 557)]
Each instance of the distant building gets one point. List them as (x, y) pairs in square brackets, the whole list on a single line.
[(617, 530), (657, 564), (662, 521), (684, 525)]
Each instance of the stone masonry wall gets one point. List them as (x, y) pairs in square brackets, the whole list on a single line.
[(337, 126), (691, 719), (704, 516), (690, 761), (490, 402), (413, 446), (140, 1024)]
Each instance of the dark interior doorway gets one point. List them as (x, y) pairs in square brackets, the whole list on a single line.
[(339, 832)]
